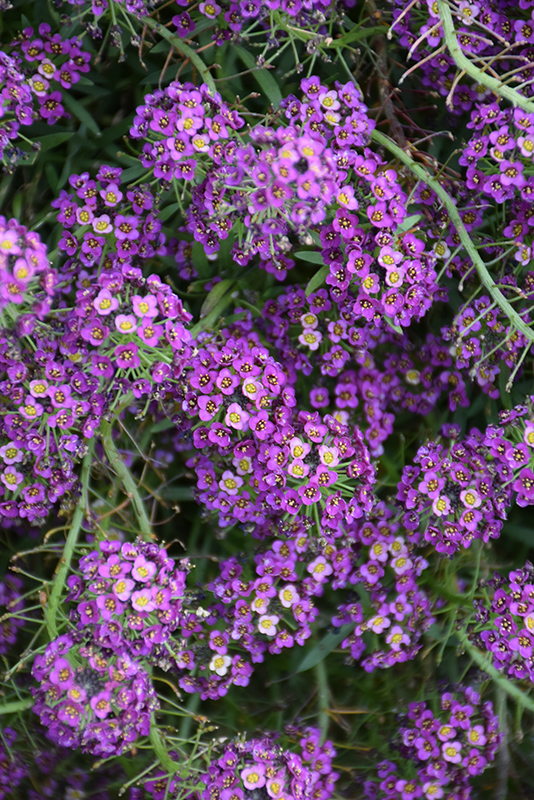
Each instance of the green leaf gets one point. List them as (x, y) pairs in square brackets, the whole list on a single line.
[(309, 255), (396, 328), (178, 493), (324, 647), (266, 81), (356, 34), (317, 280), (183, 48), (167, 212), (214, 305), (53, 140), (17, 205), (164, 425), (409, 222), (213, 298), (52, 176), (81, 113), (202, 265), (132, 173)]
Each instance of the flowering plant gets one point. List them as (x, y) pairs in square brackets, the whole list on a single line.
[(266, 406)]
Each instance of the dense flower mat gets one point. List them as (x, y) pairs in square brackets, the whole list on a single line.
[(266, 399)]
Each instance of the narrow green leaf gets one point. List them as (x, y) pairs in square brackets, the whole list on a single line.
[(52, 176), (266, 81), (81, 113), (178, 493), (409, 222), (132, 173), (309, 255), (396, 328), (167, 212), (17, 205), (317, 280), (17, 705), (208, 320), (324, 647), (202, 265), (213, 298), (164, 425), (53, 140), (356, 34), (184, 49)]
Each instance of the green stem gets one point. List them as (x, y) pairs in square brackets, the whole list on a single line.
[(51, 608), (485, 663), (463, 63), (184, 49), (191, 708), (323, 698), (455, 218), (158, 744), (117, 464), (17, 705)]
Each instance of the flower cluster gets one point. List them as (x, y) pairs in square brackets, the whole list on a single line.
[(261, 767), (256, 609), (512, 446), (235, 18), (107, 225), (26, 278), (499, 173), (11, 601), (13, 770), (66, 368), (505, 623), (390, 622), (444, 751), (363, 375), (185, 128), (260, 457), (456, 493), (285, 180), (32, 74), (128, 598), (91, 698), (484, 31), (485, 342), (383, 275)]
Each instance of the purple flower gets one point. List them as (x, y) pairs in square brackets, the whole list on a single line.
[(253, 777), (127, 356), (104, 303), (451, 752), (111, 195), (143, 570), (143, 600)]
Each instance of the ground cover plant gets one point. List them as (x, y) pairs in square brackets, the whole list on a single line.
[(266, 399)]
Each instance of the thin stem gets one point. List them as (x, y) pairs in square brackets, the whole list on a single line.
[(465, 238), (51, 608), (485, 663), (117, 464), (463, 63), (184, 49), (322, 697), (158, 744), (17, 705)]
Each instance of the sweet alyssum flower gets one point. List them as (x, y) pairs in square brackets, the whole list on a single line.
[(129, 597), (447, 749), (92, 698)]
